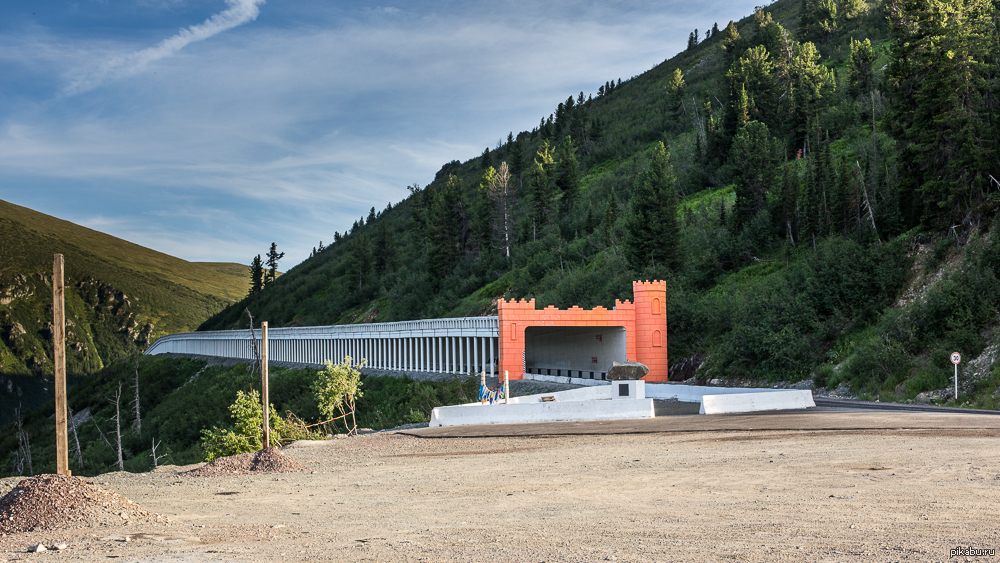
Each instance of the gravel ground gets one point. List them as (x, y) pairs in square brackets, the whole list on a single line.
[(904, 487), (268, 460)]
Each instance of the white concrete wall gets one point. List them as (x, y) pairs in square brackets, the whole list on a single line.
[(776, 399), (558, 411), (694, 393), (570, 348)]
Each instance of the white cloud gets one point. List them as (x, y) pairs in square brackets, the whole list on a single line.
[(239, 13)]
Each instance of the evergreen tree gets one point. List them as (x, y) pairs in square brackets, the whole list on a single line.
[(610, 218), (256, 275), (652, 237), (861, 72), (567, 173), (272, 262), (543, 188), (754, 156), (361, 260), (943, 56), (754, 73), (385, 249), (818, 19), (444, 232), (371, 216), (732, 44)]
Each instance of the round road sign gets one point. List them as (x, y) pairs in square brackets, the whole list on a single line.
[(956, 358)]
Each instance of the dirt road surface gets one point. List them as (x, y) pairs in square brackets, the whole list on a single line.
[(816, 486)]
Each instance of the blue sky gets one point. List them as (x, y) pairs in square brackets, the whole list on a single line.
[(209, 129)]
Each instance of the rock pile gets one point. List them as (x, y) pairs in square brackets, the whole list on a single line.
[(58, 501), (268, 460)]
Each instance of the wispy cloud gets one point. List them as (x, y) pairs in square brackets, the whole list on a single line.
[(239, 13)]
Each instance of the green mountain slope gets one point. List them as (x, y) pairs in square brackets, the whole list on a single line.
[(804, 147), (120, 296)]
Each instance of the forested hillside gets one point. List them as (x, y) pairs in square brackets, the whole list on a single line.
[(816, 182)]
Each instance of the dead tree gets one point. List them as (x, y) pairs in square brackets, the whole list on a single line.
[(118, 426), (22, 457), (76, 440), (156, 458), (253, 345), (101, 433), (135, 401), (502, 193)]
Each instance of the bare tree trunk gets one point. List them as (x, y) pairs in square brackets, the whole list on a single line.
[(118, 426), (76, 440), (101, 433), (135, 402), (23, 455), (253, 345), (156, 458)]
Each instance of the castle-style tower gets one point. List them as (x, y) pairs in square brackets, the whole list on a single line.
[(651, 327)]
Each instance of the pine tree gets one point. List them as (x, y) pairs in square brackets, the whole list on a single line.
[(256, 275), (272, 262), (385, 249), (543, 188), (444, 232), (653, 235), (942, 59), (754, 156), (732, 45), (567, 173), (361, 260), (861, 72)]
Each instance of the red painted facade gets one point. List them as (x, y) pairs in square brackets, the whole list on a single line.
[(644, 320)]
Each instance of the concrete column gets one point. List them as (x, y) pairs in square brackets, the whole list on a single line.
[(491, 356)]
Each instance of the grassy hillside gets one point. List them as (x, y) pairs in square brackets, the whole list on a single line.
[(803, 145), (120, 296)]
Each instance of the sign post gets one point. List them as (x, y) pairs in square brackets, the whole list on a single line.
[(956, 359), (59, 357)]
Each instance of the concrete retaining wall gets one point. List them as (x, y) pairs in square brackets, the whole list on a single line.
[(543, 412), (773, 400)]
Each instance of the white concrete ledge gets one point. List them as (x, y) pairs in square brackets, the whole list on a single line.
[(772, 400), (694, 393), (564, 379), (555, 411)]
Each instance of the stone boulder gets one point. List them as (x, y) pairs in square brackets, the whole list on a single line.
[(627, 371)]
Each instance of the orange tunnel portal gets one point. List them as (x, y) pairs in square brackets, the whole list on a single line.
[(644, 321)]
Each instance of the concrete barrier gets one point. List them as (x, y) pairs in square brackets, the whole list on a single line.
[(772, 400), (555, 411), (694, 393)]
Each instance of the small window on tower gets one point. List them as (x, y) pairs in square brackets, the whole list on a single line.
[(656, 306), (656, 338)]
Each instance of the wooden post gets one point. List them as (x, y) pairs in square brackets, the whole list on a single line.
[(59, 356), (263, 383)]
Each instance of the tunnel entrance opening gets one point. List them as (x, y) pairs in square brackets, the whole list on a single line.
[(575, 351)]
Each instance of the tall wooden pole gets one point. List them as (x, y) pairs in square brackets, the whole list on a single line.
[(263, 383), (59, 356)]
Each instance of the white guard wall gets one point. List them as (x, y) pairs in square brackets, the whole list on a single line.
[(555, 411), (781, 399), (459, 345)]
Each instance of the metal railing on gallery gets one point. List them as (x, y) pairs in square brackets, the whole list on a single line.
[(459, 345)]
